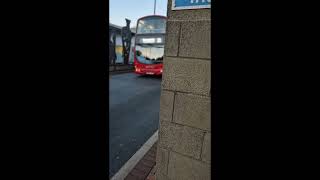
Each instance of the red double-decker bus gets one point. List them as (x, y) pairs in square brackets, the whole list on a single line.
[(149, 45)]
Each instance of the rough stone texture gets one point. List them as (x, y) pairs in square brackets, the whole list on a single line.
[(192, 110), (166, 105), (195, 39), (187, 75), (185, 168), (206, 148), (184, 137), (181, 139), (187, 15), (162, 160), (172, 38)]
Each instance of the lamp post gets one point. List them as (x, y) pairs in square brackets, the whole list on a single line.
[(154, 9)]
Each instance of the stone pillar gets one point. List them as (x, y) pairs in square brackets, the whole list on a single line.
[(184, 146)]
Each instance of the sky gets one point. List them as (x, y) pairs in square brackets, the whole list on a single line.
[(133, 10)]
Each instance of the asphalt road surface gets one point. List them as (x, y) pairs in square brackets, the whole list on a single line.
[(134, 115)]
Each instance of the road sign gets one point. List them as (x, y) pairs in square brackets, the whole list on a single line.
[(190, 4)]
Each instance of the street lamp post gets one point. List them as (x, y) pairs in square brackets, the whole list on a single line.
[(154, 9)]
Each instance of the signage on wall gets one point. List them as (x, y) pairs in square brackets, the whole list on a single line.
[(190, 4)]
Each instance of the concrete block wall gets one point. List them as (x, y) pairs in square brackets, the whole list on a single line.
[(184, 147)]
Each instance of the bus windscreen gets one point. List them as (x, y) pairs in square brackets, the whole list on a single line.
[(149, 54), (151, 25)]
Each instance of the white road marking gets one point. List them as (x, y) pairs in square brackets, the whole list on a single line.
[(132, 162)]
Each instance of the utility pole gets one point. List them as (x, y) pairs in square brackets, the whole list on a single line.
[(154, 9)]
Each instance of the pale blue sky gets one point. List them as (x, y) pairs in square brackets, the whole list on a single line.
[(133, 10)]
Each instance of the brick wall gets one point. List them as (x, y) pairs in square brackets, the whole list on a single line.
[(184, 149)]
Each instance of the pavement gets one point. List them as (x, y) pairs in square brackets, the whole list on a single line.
[(152, 174), (134, 103), (145, 168), (120, 69)]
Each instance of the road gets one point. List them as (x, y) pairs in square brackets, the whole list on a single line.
[(134, 103)]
